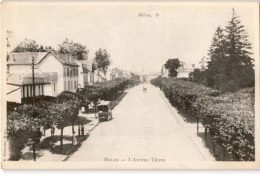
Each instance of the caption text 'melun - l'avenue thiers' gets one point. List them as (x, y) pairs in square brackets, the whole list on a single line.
[(133, 159)]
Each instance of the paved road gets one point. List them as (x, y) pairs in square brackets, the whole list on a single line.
[(143, 128)]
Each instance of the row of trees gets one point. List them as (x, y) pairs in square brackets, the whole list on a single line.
[(101, 60), (229, 118), (230, 65), (24, 121)]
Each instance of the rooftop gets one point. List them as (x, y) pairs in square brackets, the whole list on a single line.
[(25, 58)]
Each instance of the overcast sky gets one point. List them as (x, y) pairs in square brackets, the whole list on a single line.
[(181, 31)]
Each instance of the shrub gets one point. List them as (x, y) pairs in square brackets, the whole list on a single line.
[(230, 117)]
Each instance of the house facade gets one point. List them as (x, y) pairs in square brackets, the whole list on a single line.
[(60, 71), (85, 73)]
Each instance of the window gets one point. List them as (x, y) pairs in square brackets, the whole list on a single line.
[(68, 72), (40, 89), (71, 86), (75, 84), (54, 89), (37, 90), (65, 85), (64, 69), (29, 90), (24, 91)]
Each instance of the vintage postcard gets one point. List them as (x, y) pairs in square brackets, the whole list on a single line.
[(130, 85)]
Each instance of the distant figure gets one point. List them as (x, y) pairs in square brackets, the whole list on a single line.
[(82, 129), (74, 139), (52, 131), (144, 89)]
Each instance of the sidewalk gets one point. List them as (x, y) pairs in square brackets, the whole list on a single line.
[(48, 149), (190, 129)]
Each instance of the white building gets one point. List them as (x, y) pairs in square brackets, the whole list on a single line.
[(85, 73), (184, 70), (59, 70)]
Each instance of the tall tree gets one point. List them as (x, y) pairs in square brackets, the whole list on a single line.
[(102, 60), (75, 49), (172, 65), (238, 50), (217, 65), (73, 101), (230, 66)]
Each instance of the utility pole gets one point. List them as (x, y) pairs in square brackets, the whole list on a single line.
[(33, 80), (33, 103)]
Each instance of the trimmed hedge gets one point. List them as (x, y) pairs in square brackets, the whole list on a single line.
[(230, 117), (106, 90)]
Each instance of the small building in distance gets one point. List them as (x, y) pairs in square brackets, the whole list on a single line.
[(117, 73), (184, 70), (164, 71), (85, 72)]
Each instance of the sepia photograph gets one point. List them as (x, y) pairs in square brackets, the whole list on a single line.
[(130, 85)]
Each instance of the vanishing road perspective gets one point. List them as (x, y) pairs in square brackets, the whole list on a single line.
[(144, 127)]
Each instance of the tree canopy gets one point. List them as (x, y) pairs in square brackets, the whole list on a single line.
[(102, 60), (172, 65), (75, 49), (230, 66), (30, 45)]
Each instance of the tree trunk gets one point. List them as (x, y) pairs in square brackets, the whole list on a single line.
[(224, 155), (73, 126), (34, 153), (214, 149), (95, 104), (78, 128), (197, 125), (61, 139), (206, 135), (98, 75)]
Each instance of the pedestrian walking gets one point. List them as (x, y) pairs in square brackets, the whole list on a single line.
[(144, 89), (82, 129), (74, 139), (52, 131)]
